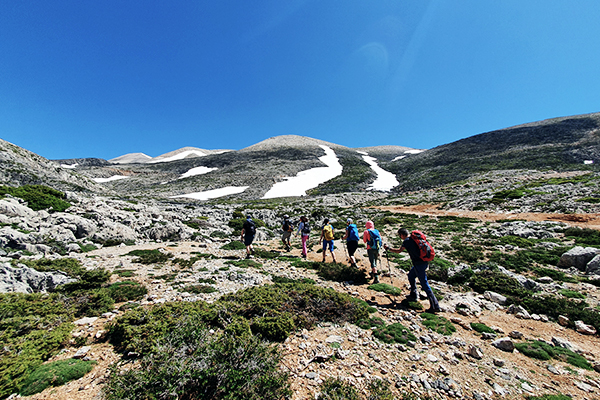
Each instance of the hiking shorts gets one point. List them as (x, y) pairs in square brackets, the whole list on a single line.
[(248, 239), (286, 236), (326, 244), (352, 246)]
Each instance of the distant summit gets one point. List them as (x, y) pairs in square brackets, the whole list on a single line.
[(131, 158), (291, 141)]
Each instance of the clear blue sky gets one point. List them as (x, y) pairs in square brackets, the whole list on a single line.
[(106, 78)]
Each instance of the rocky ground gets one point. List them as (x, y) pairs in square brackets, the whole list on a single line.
[(463, 365)]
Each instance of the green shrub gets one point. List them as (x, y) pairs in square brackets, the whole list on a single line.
[(56, 373), (266, 254), (93, 303), (385, 288), (88, 280), (369, 323), (461, 277), (126, 291), (438, 324), (336, 389), (496, 281), (154, 256), (246, 263), (379, 389), (198, 289), (283, 279), (276, 327), (337, 272), (543, 351), (549, 397), (572, 294), (38, 197), (438, 270), (234, 245), (394, 333), (553, 306), (516, 241), (191, 363), (481, 328), (586, 236)]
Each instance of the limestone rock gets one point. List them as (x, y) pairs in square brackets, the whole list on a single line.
[(504, 344), (578, 257)]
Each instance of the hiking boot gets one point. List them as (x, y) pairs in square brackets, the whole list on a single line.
[(375, 278), (411, 297), (248, 256), (433, 310)]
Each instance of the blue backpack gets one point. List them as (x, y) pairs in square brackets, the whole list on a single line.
[(353, 233), (374, 241)]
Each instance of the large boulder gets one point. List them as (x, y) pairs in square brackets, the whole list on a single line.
[(12, 238), (593, 267), (12, 208), (27, 280), (80, 227), (578, 257), (115, 231)]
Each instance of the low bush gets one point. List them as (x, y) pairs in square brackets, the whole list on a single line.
[(190, 362), (385, 288), (481, 328), (337, 272), (394, 333), (572, 294), (553, 306), (438, 324), (246, 263), (38, 197), (461, 277), (438, 270), (198, 289), (544, 351), (56, 373), (584, 237), (369, 323), (234, 245), (496, 281), (154, 256), (336, 389), (127, 291), (283, 279)]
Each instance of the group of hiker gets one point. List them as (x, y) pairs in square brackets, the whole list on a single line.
[(415, 243)]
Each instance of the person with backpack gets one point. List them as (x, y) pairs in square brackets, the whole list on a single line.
[(287, 228), (372, 238), (420, 252), (327, 239), (351, 237), (247, 236), (304, 231)]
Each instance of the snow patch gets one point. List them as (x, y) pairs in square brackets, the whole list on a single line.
[(179, 156), (588, 162), (398, 158), (308, 179), (197, 171), (413, 151), (385, 180), (69, 166), (112, 178), (212, 194)]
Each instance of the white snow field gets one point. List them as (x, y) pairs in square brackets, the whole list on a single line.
[(385, 180), (213, 194), (179, 156), (308, 179), (197, 171), (112, 178)]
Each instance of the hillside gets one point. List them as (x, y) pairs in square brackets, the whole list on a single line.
[(561, 144)]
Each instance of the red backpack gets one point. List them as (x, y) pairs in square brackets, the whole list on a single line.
[(427, 252)]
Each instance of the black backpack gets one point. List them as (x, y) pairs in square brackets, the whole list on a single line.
[(287, 226), (306, 228), (250, 227)]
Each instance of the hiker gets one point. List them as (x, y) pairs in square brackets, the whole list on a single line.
[(327, 239), (372, 238), (417, 270), (351, 238), (247, 236), (287, 232), (304, 231)]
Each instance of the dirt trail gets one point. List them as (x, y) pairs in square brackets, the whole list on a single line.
[(591, 221)]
